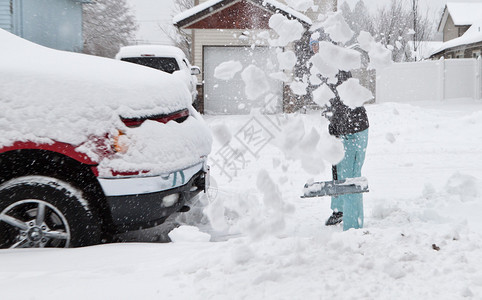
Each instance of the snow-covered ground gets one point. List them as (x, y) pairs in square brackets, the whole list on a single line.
[(422, 237)]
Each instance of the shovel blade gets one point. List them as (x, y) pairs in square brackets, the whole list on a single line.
[(335, 187)]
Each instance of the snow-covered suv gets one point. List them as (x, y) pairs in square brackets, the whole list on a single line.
[(90, 147)]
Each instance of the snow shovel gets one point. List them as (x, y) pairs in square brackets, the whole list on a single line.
[(335, 187)]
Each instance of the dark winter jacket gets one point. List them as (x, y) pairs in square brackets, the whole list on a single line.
[(343, 119)]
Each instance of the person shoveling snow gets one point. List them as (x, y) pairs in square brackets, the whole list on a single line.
[(350, 125)]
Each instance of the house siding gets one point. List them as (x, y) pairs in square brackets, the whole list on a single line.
[(53, 23), (462, 29), (450, 30), (5, 15), (467, 50), (471, 49)]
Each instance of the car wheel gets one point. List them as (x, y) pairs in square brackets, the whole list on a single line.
[(38, 212)]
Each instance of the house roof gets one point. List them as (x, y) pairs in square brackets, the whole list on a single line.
[(425, 48), (462, 13), (211, 7), (471, 36)]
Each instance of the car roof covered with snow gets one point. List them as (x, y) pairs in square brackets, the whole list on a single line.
[(150, 50), (51, 94), (82, 78)]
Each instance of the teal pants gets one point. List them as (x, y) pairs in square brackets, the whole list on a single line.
[(352, 204)]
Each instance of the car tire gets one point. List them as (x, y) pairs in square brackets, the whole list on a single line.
[(39, 211)]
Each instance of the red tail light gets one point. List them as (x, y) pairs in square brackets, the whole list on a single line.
[(179, 117)]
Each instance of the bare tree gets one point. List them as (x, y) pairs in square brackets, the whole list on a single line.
[(107, 25), (400, 23), (179, 37), (362, 19), (394, 25), (182, 5), (422, 28), (359, 19), (392, 29), (347, 14)]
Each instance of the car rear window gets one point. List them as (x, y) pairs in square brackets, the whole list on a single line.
[(166, 64)]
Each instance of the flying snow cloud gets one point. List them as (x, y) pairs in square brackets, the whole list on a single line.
[(322, 95), (286, 60), (227, 70), (336, 26), (353, 94), (299, 87), (287, 30), (311, 147), (256, 83), (331, 58), (300, 5), (380, 57)]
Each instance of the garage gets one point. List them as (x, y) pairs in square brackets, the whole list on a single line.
[(228, 96), (238, 30)]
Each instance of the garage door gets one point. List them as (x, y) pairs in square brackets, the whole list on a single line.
[(228, 96)]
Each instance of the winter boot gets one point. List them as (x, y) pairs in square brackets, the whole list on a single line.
[(335, 218)]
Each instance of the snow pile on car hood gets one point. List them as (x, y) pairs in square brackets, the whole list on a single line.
[(49, 95), (162, 148)]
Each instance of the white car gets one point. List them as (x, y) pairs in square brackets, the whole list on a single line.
[(91, 147), (169, 59)]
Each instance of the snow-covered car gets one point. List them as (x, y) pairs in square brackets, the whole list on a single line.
[(169, 59), (90, 147)]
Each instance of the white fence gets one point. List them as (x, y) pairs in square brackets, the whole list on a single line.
[(430, 81)]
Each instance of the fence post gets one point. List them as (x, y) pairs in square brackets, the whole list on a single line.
[(379, 87), (478, 79), (441, 82)]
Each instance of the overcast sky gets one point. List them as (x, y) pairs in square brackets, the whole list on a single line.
[(433, 6), (153, 14)]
